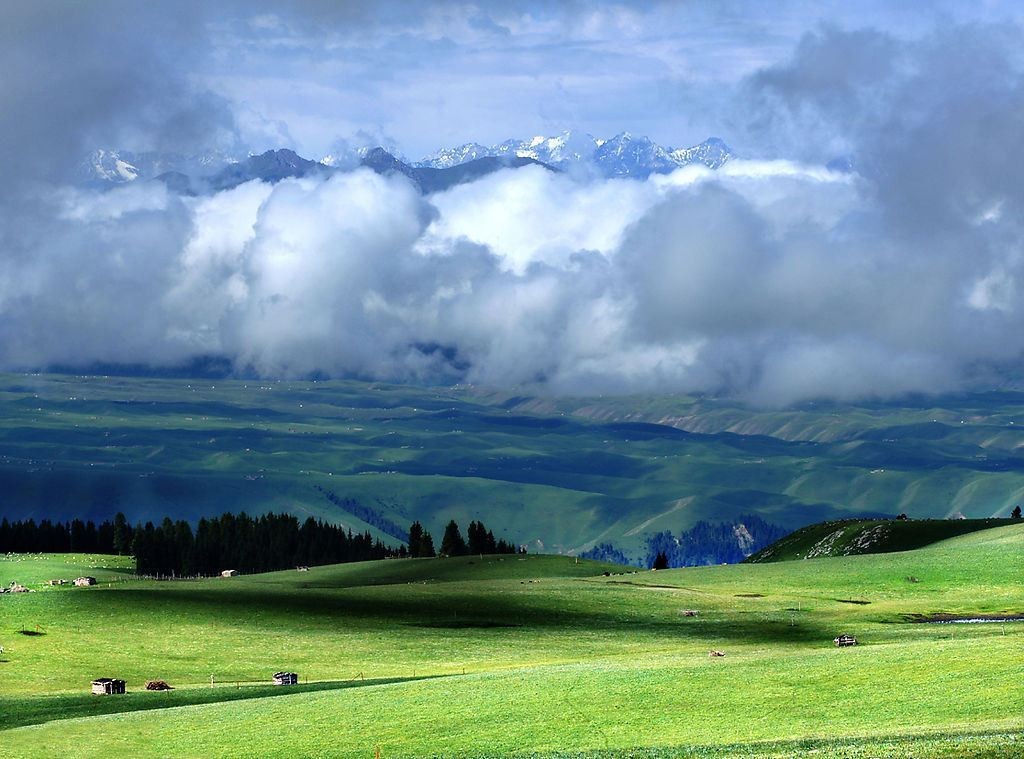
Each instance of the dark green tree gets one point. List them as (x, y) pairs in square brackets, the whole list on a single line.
[(427, 546), (453, 544), (1015, 514), (660, 561), (415, 539), (476, 535)]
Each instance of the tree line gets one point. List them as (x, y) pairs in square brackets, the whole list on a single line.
[(76, 536), (240, 542), (480, 541), (248, 544)]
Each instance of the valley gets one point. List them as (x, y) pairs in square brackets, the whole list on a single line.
[(556, 474)]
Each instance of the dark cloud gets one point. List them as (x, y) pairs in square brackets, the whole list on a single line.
[(775, 281), (78, 75)]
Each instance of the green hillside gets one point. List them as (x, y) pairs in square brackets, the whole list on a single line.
[(860, 536), (561, 474), (528, 656)]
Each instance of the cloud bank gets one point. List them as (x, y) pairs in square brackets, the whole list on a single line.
[(774, 281)]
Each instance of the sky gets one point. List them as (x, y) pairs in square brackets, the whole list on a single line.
[(775, 280), (432, 75)]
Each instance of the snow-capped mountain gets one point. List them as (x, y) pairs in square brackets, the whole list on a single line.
[(445, 158), (348, 157), (713, 153), (627, 156), (107, 166), (624, 155)]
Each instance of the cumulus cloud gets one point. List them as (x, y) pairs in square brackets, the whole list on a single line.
[(774, 281)]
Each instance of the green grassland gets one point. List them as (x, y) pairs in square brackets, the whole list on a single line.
[(559, 473), (528, 656), (859, 536), (35, 570)]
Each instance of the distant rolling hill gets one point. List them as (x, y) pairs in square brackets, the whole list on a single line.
[(561, 474), (863, 536)]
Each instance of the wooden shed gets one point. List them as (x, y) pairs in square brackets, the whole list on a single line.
[(229, 573), (84, 581), (845, 640), (107, 686), (286, 678)]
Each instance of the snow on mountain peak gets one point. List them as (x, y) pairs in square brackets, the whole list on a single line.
[(624, 155)]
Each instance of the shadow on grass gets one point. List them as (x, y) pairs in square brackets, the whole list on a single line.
[(35, 710), (481, 613)]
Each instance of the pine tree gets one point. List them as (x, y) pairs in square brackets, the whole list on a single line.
[(477, 535), (660, 561), (1015, 514), (427, 546), (453, 544), (415, 539)]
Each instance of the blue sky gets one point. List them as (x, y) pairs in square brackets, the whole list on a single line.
[(434, 74)]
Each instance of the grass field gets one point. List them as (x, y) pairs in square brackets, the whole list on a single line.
[(534, 656), (558, 473)]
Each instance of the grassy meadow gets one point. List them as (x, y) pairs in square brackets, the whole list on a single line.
[(560, 474), (526, 656)]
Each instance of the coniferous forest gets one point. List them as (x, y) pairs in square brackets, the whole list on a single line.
[(240, 542)]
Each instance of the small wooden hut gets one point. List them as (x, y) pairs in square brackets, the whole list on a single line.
[(107, 686), (286, 678), (82, 582), (845, 640), (229, 573)]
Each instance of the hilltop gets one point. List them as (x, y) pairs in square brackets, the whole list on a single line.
[(853, 537)]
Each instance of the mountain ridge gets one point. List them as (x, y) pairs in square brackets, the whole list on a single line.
[(624, 155)]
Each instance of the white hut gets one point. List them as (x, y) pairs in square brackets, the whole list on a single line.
[(107, 686)]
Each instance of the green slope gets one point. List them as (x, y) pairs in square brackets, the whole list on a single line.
[(559, 473), (861, 536), (537, 657)]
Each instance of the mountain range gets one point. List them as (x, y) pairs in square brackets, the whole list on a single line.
[(624, 155)]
